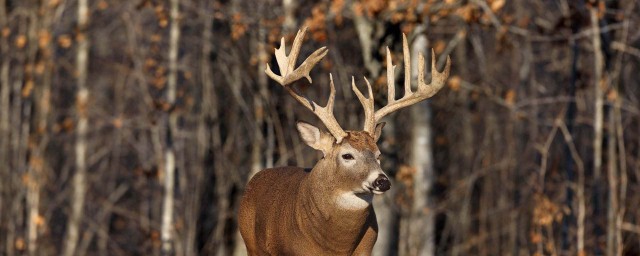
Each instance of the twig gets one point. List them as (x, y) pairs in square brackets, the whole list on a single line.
[(580, 186), (620, 46)]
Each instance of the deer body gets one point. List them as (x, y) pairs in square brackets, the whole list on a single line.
[(326, 210), (294, 211), (309, 226)]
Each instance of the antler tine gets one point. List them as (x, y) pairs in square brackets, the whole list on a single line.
[(391, 78), (289, 75), (325, 114), (437, 78), (407, 66), (286, 63), (424, 90), (367, 104)]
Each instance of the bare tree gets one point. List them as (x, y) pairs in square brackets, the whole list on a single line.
[(420, 224), (82, 97), (5, 132), (171, 126)]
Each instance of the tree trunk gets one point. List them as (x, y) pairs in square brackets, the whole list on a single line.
[(598, 118), (167, 232), (613, 178), (5, 169), (79, 180), (365, 29), (421, 227), (385, 212), (289, 24)]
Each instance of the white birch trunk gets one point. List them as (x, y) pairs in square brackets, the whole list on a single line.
[(289, 7), (421, 225), (4, 124), (167, 231), (79, 180), (598, 117), (386, 214)]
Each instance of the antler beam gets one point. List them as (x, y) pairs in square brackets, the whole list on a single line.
[(289, 75), (424, 91)]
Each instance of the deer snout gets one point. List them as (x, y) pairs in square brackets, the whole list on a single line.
[(382, 183)]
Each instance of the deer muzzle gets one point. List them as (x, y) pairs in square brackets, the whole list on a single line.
[(381, 184)]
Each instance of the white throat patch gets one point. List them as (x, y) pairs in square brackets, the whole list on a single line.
[(351, 201)]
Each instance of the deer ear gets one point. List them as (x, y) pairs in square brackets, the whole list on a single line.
[(315, 138), (378, 131)]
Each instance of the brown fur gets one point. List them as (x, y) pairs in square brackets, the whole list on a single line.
[(293, 211), (281, 215), (361, 140)]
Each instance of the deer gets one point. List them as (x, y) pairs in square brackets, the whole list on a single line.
[(327, 210)]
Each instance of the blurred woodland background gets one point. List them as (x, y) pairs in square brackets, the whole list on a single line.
[(130, 127)]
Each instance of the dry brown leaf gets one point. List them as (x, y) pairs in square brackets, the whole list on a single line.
[(545, 212), (103, 5), (535, 237), (39, 220), (44, 37), (155, 38), (80, 37), (64, 41), (602, 9), (612, 95), (454, 83), (358, 9), (510, 97), (439, 46), (337, 6), (27, 88), (40, 67), (405, 175), (21, 41), (20, 244), (496, 5), (54, 3), (187, 75), (467, 12), (163, 22), (117, 122), (373, 7), (149, 63)]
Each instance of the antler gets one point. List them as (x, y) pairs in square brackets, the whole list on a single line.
[(424, 91), (290, 75)]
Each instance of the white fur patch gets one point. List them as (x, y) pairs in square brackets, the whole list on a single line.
[(373, 175), (351, 201)]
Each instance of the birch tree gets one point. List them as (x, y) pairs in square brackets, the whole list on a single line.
[(171, 126), (79, 182), (420, 223)]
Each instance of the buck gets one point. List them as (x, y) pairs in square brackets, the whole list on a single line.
[(326, 210)]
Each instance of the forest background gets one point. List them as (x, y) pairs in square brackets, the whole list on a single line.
[(131, 127)]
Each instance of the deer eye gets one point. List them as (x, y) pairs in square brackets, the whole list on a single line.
[(347, 157)]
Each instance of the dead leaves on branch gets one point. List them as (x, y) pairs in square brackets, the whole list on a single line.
[(546, 212), (317, 23), (238, 26)]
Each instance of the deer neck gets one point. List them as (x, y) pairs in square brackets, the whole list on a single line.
[(321, 212)]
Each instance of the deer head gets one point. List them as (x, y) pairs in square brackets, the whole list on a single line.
[(349, 169), (331, 204)]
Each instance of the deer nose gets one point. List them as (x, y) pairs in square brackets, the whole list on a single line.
[(382, 183)]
